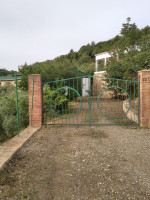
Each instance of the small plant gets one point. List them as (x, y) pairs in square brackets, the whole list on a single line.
[(58, 101)]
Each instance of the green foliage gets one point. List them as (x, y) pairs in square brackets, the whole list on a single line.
[(133, 53), (84, 59), (130, 32), (6, 89), (4, 72), (59, 101), (8, 114), (130, 63), (60, 68), (87, 68)]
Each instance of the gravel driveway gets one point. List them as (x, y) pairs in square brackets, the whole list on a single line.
[(80, 163)]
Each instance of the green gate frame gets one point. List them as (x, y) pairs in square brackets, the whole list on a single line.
[(98, 98), (102, 94), (65, 87)]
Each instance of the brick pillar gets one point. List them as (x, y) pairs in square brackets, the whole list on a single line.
[(35, 114), (144, 98)]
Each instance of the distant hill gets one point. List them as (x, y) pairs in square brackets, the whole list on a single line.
[(4, 72)]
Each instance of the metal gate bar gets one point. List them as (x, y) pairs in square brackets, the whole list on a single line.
[(91, 100)]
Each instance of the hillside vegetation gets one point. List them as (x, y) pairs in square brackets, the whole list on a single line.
[(83, 62), (8, 113), (5, 72)]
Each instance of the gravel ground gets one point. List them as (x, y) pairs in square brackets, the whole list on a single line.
[(80, 163)]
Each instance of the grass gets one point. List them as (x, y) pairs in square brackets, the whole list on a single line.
[(27, 195)]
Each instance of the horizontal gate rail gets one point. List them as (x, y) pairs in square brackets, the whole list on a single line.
[(91, 100)]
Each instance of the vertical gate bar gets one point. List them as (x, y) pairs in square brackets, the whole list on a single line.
[(73, 100), (139, 100), (126, 86), (17, 103), (65, 108), (68, 106), (113, 100), (42, 105), (53, 116), (89, 98), (58, 111), (130, 88), (77, 100), (123, 120), (85, 102), (62, 110), (93, 96), (118, 100), (69, 100), (134, 100), (63, 85), (82, 98), (46, 118)]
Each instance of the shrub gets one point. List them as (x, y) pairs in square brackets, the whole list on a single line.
[(8, 113), (59, 102)]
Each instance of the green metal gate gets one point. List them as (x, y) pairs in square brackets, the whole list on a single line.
[(91, 100)]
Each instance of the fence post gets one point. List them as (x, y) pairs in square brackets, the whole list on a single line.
[(17, 109), (144, 98), (35, 100)]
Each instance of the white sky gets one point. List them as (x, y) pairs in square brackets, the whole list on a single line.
[(38, 30)]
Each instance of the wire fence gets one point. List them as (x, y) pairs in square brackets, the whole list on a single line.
[(14, 107)]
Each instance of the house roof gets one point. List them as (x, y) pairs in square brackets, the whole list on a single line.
[(102, 53), (9, 78)]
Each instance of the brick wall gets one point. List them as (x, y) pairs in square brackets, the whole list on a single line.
[(145, 98), (35, 114)]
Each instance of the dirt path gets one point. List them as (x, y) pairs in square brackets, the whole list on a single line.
[(108, 109), (80, 163)]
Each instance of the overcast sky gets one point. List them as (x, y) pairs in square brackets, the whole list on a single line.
[(38, 30)]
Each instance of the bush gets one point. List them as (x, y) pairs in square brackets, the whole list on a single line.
[(8, 113), (59, 102)]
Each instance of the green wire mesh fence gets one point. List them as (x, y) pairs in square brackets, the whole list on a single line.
[(13, 107)]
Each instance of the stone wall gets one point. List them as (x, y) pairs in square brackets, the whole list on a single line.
[(99, 84)]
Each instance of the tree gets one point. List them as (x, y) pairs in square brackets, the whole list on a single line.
[(130, 32), (4, 72), (129, 63), (84, 59)]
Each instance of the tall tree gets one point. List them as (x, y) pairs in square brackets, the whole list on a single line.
[(130, 32)]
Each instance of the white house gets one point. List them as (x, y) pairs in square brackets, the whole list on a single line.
[(102, 56)]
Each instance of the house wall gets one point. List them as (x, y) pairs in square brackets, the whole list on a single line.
[(84, 86), (12, 82)]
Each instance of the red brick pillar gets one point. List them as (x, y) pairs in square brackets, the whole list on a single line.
[(145, 98), (35, 114)]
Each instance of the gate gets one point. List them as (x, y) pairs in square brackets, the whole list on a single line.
[(91, 100)]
